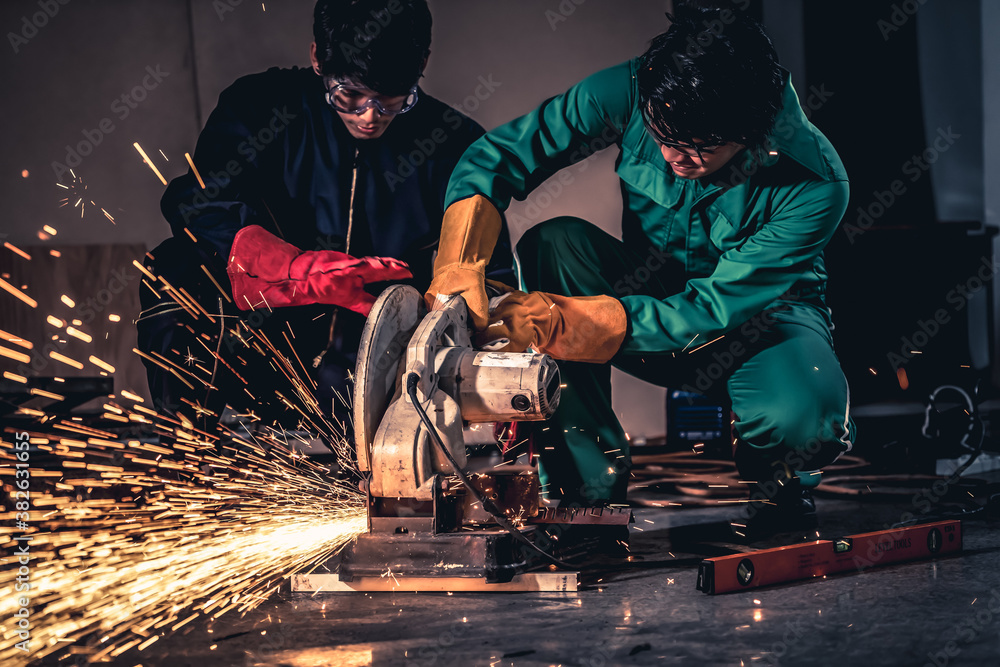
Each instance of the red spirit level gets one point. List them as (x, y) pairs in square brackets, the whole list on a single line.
[(815, 559)]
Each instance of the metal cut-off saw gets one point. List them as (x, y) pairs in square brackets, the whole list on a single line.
[(427, 411)]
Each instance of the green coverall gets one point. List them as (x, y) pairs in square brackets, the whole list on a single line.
[(736, 255)]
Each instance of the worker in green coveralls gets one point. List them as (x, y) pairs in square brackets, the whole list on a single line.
[(730, 195)]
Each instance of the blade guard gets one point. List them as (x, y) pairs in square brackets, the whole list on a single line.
[(390, 325), (403, 456)]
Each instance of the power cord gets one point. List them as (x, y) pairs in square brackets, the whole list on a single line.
[(412, 380)]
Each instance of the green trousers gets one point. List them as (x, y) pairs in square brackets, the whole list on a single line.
[(778, 370)]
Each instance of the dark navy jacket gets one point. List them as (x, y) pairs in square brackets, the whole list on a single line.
[(274, 153)]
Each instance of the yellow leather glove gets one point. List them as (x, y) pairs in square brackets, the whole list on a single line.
[(469, 232), (573, 328)]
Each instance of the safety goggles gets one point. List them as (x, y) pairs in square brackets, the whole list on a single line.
[(348, 98), (688, 148)]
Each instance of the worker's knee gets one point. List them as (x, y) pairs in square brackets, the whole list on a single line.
[(806, 437), (550, 239)]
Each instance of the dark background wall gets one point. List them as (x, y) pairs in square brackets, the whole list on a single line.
[(64, 77)]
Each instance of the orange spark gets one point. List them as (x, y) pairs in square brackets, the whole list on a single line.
[(101, 364), (16, 356), (904, 382), (130, 396), (76, 333), (195, 170), (66, 360), (17, 340), (18, 293), (145, 158), (17, 251)]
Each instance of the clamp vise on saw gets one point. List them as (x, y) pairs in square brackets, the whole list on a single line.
[(427, 408)]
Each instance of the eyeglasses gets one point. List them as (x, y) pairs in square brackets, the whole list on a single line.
[(691, 150), (347, 98), (687, 148)]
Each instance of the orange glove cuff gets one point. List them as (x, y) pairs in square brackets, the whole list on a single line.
[(469, 232)]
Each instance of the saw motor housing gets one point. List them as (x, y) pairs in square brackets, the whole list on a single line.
[(463, 391)]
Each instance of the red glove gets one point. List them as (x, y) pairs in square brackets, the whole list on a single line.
[(262, 268)]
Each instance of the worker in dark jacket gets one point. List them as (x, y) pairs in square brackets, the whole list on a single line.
[(718, 283), (312, 189)]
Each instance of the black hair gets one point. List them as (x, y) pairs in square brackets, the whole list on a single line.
[(381, 44), (712, 76)]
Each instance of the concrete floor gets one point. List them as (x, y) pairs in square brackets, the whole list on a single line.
[(644, 612)]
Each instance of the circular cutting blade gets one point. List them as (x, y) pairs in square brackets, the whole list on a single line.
[(388, 330)]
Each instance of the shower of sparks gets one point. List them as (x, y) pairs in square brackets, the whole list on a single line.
[(134, 537), (77, 196), (153, 537)]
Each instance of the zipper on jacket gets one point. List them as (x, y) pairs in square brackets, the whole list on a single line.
[(347, 251)]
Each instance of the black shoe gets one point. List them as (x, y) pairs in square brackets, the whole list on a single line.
[(613, 542), (777, 507)]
